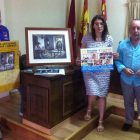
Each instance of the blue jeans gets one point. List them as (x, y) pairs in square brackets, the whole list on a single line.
[(21, 104)]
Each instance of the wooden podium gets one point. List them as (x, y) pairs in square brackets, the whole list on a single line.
[(50, 99)]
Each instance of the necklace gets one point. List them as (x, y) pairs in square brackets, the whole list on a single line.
[(98, 39)]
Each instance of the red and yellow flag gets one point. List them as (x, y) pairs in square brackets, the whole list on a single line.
[(84, 27), (72, 25), (104, 12)]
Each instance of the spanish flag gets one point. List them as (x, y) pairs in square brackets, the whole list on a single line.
[(104, 12), (84, 27), (72, 25)]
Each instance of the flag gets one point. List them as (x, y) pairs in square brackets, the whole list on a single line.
[(72, 25), (104, 12), (84, 27)]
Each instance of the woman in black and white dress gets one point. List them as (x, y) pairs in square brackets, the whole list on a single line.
[(97, 82)]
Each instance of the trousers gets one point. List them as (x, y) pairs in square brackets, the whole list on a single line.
[(130, 92)]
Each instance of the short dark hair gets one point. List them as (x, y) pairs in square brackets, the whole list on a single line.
[(133, 20), (105, 31)]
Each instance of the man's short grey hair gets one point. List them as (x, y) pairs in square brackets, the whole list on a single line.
[(134, 20)]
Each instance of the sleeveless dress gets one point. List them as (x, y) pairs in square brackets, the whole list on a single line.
[(97, 82)]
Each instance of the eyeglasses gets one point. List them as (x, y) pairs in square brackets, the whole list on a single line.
[(134, 27), (97, 24)]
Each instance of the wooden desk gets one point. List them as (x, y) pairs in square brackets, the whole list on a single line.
[(49, 100)]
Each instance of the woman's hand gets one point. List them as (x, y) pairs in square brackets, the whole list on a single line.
[(78, 61), (115, 56)]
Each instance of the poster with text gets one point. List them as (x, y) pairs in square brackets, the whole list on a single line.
[(9, 66), (97, 59)]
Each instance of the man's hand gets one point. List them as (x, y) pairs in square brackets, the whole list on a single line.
[(138, 73), (78, 61), (128, 72), (115, 56), (19, 53)]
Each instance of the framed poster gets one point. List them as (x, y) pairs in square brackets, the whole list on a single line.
[(48, 46), (97, 59), (9, 66)]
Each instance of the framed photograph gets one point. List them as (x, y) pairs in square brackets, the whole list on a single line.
[(48, 46)]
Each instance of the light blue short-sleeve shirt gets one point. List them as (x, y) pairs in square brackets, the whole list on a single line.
[(129, 57)]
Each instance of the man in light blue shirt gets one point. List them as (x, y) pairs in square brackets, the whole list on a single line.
[(128, 65)]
